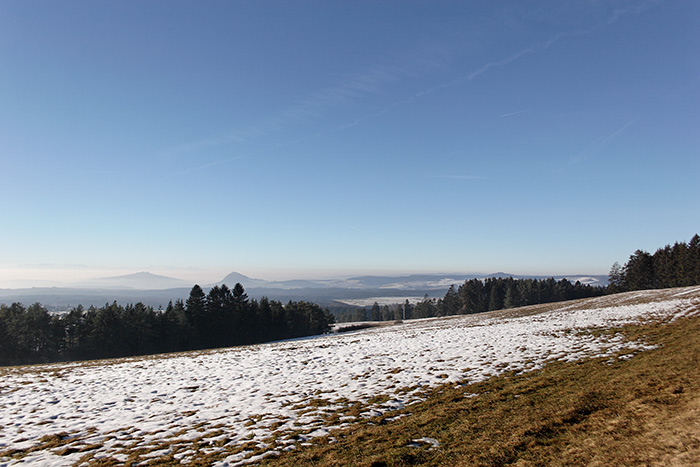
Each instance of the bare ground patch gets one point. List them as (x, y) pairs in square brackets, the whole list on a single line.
[(599, 412)]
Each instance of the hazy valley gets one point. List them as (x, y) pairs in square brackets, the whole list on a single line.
[(156, 290)]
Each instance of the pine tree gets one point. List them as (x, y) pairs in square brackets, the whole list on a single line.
[(470, 294), (693, 261), (496, 294), (359, 314), (375, 313), (387, 314), (450, 303), (425, 308), (639, 271), (196, 311), (219, 327), (242, 321), (616, 278), (239, 294)]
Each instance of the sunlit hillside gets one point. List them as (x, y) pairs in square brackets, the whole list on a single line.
[(239, 405)]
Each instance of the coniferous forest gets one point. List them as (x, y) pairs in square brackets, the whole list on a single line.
[(670, 266), (224, 317), (477, 296), (227, 317)]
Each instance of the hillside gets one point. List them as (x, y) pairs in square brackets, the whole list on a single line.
[(611, 380)]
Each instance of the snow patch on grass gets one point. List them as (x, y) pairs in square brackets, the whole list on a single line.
[(237, 405)]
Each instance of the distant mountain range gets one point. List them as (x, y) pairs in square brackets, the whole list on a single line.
[(137, 281), (156, 290), (408, 282)]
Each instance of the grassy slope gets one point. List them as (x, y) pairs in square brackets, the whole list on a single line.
[(640, 411)]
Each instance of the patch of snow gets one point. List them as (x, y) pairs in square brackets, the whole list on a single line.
[(163, 403), (381, 301), (422, 441), (690, 291)]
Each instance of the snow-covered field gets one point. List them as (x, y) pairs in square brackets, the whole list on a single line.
[(239, 404), (381, 301)]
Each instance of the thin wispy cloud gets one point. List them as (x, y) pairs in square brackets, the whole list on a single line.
[(357, 229), (464, 177), (205, 166), (617, 14), (512, 114), (374, 80), (350, 88), (595, 147), (302, 112), (601, 142), (229, 137)]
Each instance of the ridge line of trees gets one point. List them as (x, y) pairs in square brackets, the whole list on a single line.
[(670, 266), (477, 296), (224, 317), (227, 317)]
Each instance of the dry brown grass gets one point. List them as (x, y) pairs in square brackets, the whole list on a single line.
[(599, 412)]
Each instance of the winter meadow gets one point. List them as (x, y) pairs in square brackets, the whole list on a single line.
[(238, 405)]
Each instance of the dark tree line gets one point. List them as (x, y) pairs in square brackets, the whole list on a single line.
[(476, 296), (670, 266), (226, 317), (223, 317)]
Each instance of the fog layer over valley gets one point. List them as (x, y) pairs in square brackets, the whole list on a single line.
[(156, 290)]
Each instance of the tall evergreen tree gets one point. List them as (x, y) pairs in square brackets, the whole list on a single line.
[(242, 320), (425, 308), (375, 313), (496, 294), (196, 310), (693, 260), (470, 294), (511, 299), (450, 304), (616, 278), (639, 271), (218, 329), (239, 293)]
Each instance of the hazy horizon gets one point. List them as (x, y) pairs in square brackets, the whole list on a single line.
[(75, 277), (291, 140)]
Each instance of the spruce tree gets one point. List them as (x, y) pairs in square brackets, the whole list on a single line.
[(639, 271), (693, 260), (196, 311), (616, 278)]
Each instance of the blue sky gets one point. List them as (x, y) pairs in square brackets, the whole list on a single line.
[(315, 138)]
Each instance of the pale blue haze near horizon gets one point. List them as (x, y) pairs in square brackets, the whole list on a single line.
[(311, 138)]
